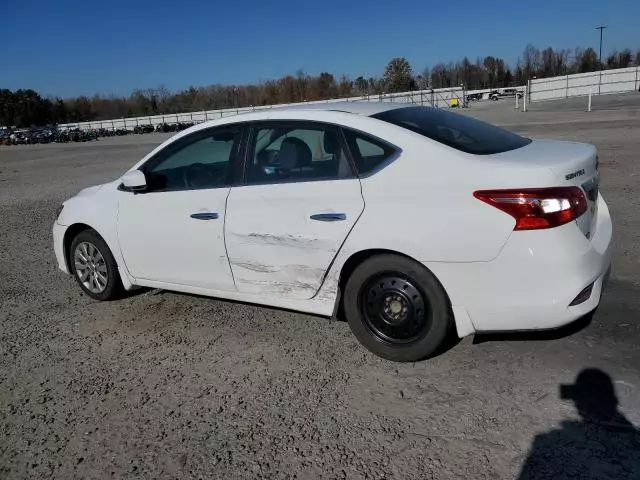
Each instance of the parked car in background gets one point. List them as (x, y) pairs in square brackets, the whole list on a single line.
[(49, 134), (511, 92), (139, 129), (413, 222)]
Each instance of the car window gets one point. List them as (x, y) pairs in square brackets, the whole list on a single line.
[(281, 153), (368, 153), (454, 130), (200, 161)]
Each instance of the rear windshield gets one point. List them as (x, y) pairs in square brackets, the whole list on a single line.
[(455, 130)]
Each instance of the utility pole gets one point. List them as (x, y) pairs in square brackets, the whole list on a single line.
[(601, 28)]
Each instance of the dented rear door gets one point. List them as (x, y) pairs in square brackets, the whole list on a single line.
[(282, 238)]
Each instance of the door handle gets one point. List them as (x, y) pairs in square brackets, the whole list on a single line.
[(204, 216), (329, 217)]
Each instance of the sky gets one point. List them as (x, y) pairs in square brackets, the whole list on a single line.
[(71, 47)]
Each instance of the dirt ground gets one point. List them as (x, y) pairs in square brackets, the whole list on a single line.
[(164, 385)]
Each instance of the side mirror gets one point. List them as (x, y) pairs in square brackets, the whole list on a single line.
[(134, 181)]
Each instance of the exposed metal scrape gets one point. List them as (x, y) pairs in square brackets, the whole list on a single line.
[(279, 288), (287, 240), (304, 271), (256, 267)]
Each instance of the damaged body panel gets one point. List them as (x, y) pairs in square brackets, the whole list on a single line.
[(274, 245)]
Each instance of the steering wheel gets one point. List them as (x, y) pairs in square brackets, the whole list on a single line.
[(198, 175)]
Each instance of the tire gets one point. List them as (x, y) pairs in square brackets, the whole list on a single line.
[(397, 308), (103, 264)]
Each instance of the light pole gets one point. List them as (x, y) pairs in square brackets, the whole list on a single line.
[(601, 28)]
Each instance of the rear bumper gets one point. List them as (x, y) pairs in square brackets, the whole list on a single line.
[(530, 285)]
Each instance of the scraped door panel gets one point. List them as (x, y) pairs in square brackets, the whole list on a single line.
[(282, 238)]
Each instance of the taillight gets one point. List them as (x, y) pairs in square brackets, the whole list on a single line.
[(536, 208)]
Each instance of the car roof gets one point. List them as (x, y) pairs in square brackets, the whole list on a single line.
[(357, 107)]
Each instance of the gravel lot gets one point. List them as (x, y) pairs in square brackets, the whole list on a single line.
[(163, 385)]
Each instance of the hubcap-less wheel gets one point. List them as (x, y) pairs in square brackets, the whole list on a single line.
[(91, 268), (394, 310)]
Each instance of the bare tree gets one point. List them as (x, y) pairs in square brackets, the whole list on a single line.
[(373, 86), (422, 81), (588, 61), (531, 61), (482, 77), (270, 96), (489, 64), (345, 87), (624, 58), (613, 60), (438, 74), (562, 58), (399, 75), (302, 85), (501, 71), (575, 64), (287, 89), (519, 74), (362, 86), (548, 63), (323, 86)]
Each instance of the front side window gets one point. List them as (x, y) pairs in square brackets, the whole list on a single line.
[(454, 130), (202, 160), (290, 153)]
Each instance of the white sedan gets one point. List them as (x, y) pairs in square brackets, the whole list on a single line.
[(415, 222)]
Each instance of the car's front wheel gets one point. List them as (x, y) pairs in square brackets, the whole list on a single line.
[(94, 267), (397, 308)]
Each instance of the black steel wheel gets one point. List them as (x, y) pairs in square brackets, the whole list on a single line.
[(397, 308), (394, 309)]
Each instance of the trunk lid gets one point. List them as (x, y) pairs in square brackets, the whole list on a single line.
[(571, 164)]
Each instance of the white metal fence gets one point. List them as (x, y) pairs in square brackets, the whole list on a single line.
[(440, 98), (582, 84)]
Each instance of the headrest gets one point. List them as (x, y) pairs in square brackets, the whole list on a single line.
[(294, 153), (288, 157), (331, 143)]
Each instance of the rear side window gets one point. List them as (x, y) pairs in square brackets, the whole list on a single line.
[(454, 130), (368, 153), (296, 152)]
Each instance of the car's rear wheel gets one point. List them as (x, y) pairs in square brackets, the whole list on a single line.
[(94, 267), (397, 308)]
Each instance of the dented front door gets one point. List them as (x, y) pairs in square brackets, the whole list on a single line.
[(282, 238)]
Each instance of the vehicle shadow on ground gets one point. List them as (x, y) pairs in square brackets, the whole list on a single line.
[(157, 291), (537, 335), (620, 301), (137, 291), (603, 444)]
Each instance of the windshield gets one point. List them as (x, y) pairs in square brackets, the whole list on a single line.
[(454, 130)]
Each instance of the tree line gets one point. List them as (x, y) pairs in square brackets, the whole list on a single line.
[(25, 108)]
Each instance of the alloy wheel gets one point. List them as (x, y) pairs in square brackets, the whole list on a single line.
[(91, 267)]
